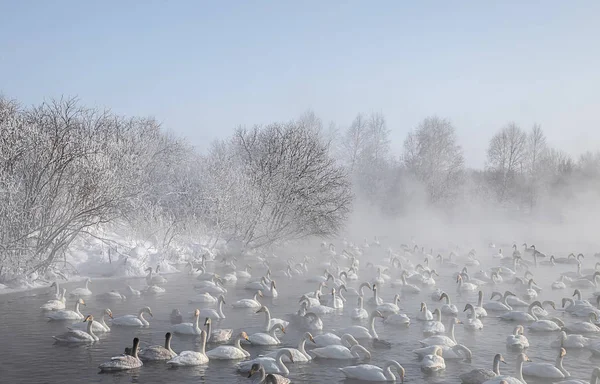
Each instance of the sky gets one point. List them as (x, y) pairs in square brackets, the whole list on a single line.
[(203, 68)]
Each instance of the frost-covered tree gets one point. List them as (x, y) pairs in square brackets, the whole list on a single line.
[(506, 155), (432, 155)]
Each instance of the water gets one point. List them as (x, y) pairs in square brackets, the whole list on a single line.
[(29, 354)]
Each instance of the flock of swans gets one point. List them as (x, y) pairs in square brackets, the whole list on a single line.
[(337, 276)]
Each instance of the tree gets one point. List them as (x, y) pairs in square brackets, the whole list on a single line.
[(536, 151), (355, 141), (505, 157), (432, 155)]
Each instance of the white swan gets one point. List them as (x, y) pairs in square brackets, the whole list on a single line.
[(464, 286), (520, 315), (389, 308), (361, 332), (270, 364), (78, 336), (326, 339), (433, 362), (479, 310), (97, 326), (368, 372), (82, 291), (133, 320), (124, 362), (217, 335), (55, 304), (191, 358), (230, 352), (133, 292), (203, 298), (249, 303), (500, 305), (267, 338), (449, 341), (510, 379), (517, 340), (112, 295), (359, 312), (448, 308), (313, 322), (66, 314), (158, 352), (570, 341), (215, 314), (457, 352), (478, 376), (546, 325), (300, 355), (424, 313), (375, 300), (269, 322), (188, 328), (584, 326), (434, 326), (547, 370), (271, 291), (154, 279), (472, 323), (397, 319), (341, 352)]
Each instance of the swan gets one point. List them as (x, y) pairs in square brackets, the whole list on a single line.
[(313, 322), (584, 326), (359, 312), (316, 308), (188, 328), (375, 300), (191, 358), (500, 379), (230, 352), (267, 338), (521, 316), (97, 326), (464, 286), (66, 314), (154, 279), (586, 283), (341, 352), (112, 295), (544, 325), (570, 341), (472, 323), (500, 305), (479, 310), (300, 355), (85, 291), (441, 340), (215, 314), (514, 301), (407, 287), (269, 322), (264, 378), (457, 352), (593, 380), (397, 319), (368, 372), (216, 335), (153, 290), (124, 362), (78, 336), (270, 364), (245, 273), (434, 362), (336, 301), (517, 340), (326, 339), (271, 291), (389, 308), (530, 293), (204, 298), (547, 370), (55, 304), (361, 332), (434, 326), (214, 286), (424, 313), (134, 320), (448, 308), (133, 292), (158, 352), (249, 303), (478, 376)]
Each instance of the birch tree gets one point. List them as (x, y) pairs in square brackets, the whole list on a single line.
[(505, 158)]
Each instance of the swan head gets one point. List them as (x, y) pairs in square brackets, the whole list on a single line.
[(207, 321), (108, 312), (196, 312), (259, 293), (562, 352), (444, 295), (81, 302), (308, 336), (523, 357), (222, 299), (89, 318), (459, 278), (438, 351), (468, 306), (147, 310), (244, 336), (499, 358), (377, 314), (273, 284)]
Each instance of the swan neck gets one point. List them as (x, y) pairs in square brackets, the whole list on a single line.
[(520, 369), (285, 371), (480, 300), (203, 337), (372, 326), (496, 367), (452, 332), (220, 309)]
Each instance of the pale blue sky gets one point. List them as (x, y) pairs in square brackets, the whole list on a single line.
[(202, 68)]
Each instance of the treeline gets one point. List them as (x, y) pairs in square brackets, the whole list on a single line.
[(521, 170), (66, 169)]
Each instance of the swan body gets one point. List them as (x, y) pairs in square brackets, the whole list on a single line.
[(82, 291), (299, 354), (478, 376), (188, 328), (359, 312), (78, 336), (158, 352), (341, 352), (570, 341), (249, 303), (517, 340), (502, 379), (66, 314), (215, 314), (361, 332), (442, 340), (269, 322), (373, 373), (270, 364), (124, 362), (55, 304), (457, 352), (133, 320), (230, 352), (191, 358), (433, 362), (267, 338), (547, 370), (216, 335), (97, 326)]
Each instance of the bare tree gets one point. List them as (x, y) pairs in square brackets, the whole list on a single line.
[(433, 156), (506, 155), (536, 150), (355, 141)]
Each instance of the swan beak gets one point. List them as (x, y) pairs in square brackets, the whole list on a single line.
[(110, 315), (251, 372), (459, 322), (283, 330), (150, 313), (313, 340)]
